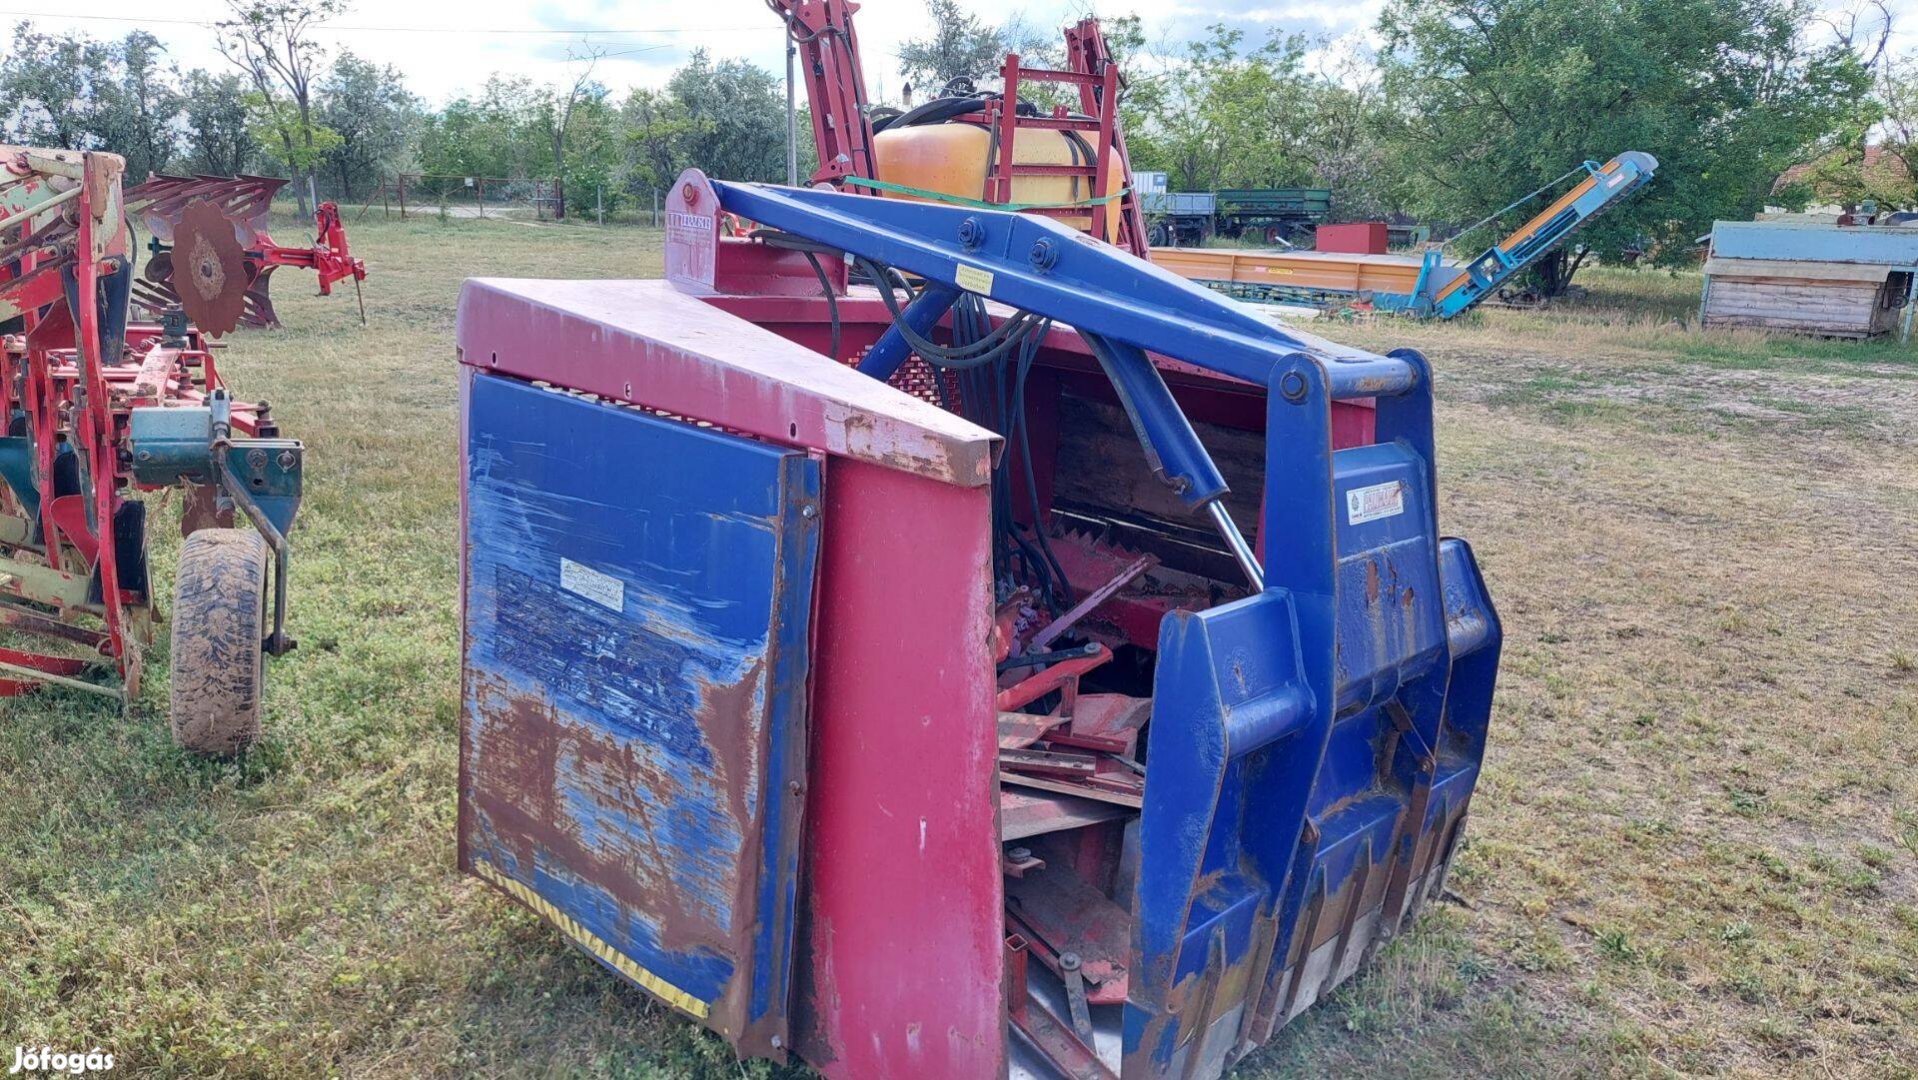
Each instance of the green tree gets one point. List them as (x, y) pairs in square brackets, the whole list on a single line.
[(1870, 157), (730, 117), (375, 116), (214, 118), (655, 130), (555, 112), (268, 119), (50, 86), (1895, 176), (956, 46), (73, 91), (137, 111), (1345, 135), (1232, 115), (1493, 96), (495, 134), (271, 41)]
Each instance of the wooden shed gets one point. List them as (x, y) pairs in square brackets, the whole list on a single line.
[(1828, 280)]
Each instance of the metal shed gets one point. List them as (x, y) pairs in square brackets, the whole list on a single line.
[(1828, 280)]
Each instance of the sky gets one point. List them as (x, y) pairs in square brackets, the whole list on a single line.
[(446, 47)]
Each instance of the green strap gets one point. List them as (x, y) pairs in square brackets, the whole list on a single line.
[(961, 200)]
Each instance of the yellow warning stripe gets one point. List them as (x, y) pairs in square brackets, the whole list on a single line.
[(586, 939)]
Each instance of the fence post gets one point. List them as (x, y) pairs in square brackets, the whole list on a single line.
[(655, 208), (386, 203), (402, 196), (599, 202), (479, 193)]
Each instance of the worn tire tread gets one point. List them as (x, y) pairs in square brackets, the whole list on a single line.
[(219, 623)]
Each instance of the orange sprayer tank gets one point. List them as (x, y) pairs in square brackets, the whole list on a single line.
[(952, 159)]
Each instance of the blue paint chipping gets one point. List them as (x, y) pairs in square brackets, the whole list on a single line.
[(639, 602)]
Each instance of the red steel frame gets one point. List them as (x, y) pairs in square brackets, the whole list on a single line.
[(829, 53), (829, 58), (1096, 78), (329, 256)]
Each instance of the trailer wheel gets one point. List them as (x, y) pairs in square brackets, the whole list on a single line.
[(219, 627)]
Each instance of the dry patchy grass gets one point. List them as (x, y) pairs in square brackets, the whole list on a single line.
[(1695, 847)]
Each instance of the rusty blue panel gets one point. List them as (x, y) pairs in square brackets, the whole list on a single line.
[(638, 600)]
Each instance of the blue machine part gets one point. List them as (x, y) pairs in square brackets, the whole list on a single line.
[(171, 444), (272, 473), (1033, 263), (1604, 187), (638, 600), (178, 444), (1445, 292), (16, 472), (1313, 747)]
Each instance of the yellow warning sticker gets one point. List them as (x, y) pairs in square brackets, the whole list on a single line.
[(973, 279)]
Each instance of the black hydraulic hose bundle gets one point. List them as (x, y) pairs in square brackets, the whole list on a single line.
[(990, 366), (992, 394), (987, 348), (812, 251)]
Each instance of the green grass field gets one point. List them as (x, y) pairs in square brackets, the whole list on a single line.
[(1694, 849)]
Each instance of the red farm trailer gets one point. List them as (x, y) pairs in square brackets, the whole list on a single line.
[(928, 642)]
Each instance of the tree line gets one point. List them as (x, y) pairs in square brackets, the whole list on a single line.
[(287, 107), (1461, 107)]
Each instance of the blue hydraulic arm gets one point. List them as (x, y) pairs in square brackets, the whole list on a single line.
[(1122, 305), (1036, 264)]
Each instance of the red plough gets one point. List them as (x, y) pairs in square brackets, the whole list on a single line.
[(211, 253)]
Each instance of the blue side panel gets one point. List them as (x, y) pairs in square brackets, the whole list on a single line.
[(638, 603)]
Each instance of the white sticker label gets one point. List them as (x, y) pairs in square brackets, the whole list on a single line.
[(1375, 502), (973, 279), (603, 589)]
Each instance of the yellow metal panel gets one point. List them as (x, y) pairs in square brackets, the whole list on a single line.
[(951, 159)]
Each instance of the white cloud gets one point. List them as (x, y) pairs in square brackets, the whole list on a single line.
[(446, 52)]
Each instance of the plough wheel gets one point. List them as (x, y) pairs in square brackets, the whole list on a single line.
[(219, 626)]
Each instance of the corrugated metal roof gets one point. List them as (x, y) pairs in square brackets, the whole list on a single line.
[(1793, 241)]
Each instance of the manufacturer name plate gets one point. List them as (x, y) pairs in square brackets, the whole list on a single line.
[(1374, 502)]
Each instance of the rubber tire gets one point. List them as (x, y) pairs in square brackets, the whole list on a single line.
[(219, 630)]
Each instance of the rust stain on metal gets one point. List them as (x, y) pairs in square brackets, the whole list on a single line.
[(531, 758)]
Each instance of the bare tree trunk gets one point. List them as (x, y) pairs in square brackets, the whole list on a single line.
[(306, 183), (1554, 272)]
